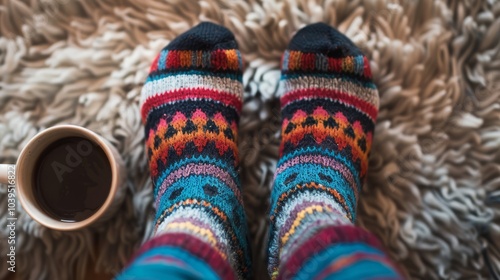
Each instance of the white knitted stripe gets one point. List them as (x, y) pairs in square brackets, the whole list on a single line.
[(186, 81), (314, 82)]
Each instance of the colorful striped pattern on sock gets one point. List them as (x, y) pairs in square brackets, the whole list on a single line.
[(318, 62), (340, 252), (191, 103), (329, 105)]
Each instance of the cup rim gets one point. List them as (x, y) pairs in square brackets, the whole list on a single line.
[(56, 224)]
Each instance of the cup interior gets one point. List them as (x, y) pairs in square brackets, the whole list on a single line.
[(26, 165)]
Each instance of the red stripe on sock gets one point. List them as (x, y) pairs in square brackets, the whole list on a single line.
[(173, 59), (219, 59), (367, 72), (307, 62), (321, 241), (194, 246), (362, 105), (183, 94), (335, 64)]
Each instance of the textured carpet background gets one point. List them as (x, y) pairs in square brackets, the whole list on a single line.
[(433, 190)]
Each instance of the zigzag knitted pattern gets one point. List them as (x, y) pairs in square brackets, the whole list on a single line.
[(190, 107), (329, 105)]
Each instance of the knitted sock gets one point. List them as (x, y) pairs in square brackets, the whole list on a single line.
[(329, 105), (190, 106)]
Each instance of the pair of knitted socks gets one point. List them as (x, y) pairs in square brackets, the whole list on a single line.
[(191, 104)]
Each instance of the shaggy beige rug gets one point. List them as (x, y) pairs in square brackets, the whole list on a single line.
[(433, 191)]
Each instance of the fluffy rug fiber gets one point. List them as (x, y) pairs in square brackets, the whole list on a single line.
[(433, 190)]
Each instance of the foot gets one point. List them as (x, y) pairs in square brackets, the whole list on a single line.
[(329, 104), (191, 104)]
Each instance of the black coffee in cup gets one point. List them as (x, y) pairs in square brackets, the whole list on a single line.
[(72, 179)]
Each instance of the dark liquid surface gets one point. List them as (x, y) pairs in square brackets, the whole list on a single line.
[(72, 179)]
